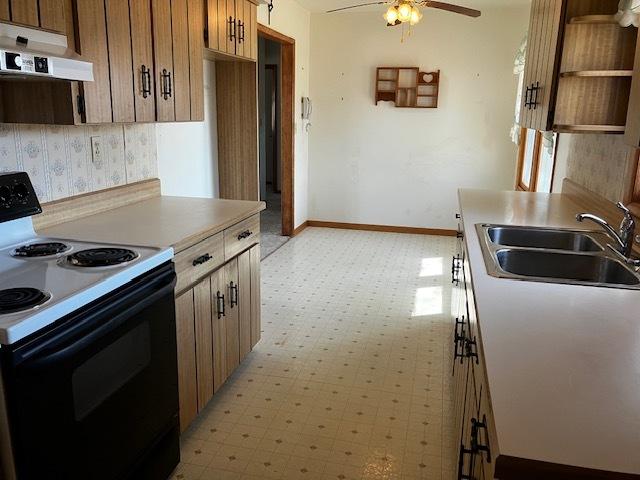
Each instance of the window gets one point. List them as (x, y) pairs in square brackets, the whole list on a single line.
[(536, 161)]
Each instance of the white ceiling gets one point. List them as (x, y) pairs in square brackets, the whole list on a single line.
[(319, 6)]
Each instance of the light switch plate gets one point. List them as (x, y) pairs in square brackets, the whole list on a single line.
[(96, 150)]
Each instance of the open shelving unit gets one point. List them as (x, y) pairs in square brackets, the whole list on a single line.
[(407, 87), (595, 73)]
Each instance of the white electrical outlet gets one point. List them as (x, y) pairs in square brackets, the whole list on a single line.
[(96, 150)]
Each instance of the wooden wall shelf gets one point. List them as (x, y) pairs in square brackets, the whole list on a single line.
[(598, 73), (407, 87), (594, 19), (589, 128)]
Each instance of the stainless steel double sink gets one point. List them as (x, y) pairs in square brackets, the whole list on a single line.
[(554, 256)]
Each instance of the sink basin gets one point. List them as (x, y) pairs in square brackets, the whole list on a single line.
[(543, 238), (565, 266)]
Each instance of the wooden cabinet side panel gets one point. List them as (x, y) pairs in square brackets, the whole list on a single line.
[(25, 12), (186, 342), (4, 10), (142, 55), (204, 342), (181, 83), (219, 330), (163, 57), (256, 302), (53, 15), (92, 45), (244, 302), (196, 53), (232, 319), (632, 130), (120, 61)]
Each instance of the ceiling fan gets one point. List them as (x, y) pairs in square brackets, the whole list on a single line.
[(408, 11)]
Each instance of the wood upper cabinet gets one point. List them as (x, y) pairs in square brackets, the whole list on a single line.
[(48, 14), (232, 28), (53, 15), (120, 60), (542, 63), (5, 13), (142, 61)]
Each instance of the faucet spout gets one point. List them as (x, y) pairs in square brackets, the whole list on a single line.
[(581, 217)]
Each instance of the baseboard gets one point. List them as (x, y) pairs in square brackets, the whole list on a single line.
[(381, 228), (298, 230)]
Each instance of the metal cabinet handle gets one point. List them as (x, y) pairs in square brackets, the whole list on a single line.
[(459, 338), (241, 27), (455, 270), (461, 474), (471, 349), (220, 305), (531, 96), (232, 28), (166, 84), (233, 293), (146, 81), (202, 259), (245, 234), (476, 446)]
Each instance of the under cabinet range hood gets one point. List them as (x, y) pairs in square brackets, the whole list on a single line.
[(28, 52)]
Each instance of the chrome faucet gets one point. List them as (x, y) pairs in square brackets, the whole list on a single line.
[(624, 238)]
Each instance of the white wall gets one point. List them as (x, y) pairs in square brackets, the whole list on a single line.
[(290, 19), (382, 165), (188, 152)]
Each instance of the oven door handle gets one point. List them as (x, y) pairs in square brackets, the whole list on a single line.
[(137, 300)]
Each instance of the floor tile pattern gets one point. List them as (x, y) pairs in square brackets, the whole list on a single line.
[(352, 377)]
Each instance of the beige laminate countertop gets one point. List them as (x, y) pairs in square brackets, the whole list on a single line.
[(177, 222), (563, 361)]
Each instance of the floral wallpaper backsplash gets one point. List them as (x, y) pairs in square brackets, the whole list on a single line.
[(59, 161), (600, 163)]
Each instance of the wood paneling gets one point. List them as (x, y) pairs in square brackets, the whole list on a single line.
[(237, 130), (25, 12), (241, 236), (53, 15), (4, 10), (163, 58), (232, 319), (142, 56), (196, 52), (219, 330), (181, 82), (244, 303), (85, 205), (598, 47), (92, 38), (204, 342), (186, 341), (256, 312), (120, 61), (188, 273)]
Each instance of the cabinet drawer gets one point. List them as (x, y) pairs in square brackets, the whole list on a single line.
[(241, 236), (198, 261)]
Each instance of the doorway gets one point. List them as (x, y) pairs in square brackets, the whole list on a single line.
[(275, 102)]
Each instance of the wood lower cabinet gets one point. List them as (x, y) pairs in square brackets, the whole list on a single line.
[(218, 323)]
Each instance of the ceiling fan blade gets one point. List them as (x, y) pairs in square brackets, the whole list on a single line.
[(355, 6), (470, 12)]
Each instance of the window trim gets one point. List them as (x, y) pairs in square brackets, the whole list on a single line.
[(533, 181)]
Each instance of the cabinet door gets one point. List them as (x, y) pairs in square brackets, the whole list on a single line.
[(252, 30), (231, 35), (4, 10), (196, 53), (25, 12), (543, 60), (256, 325), (240, 28), (180, 37), (142, 57), (204, 342), (163, 60), (212, 16), (219, 329), (52, 15), (244, 302), (232, 319), (186, 341), (92, 40), (120, 62), (223, 27)]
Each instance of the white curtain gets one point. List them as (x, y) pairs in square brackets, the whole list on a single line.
[(629, 13), (518, 69)]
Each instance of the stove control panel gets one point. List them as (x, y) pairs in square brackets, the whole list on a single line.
[(24, 63), (17, 197)]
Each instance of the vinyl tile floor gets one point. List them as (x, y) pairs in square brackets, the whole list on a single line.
[(352, 377)]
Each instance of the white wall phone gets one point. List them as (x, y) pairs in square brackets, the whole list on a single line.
[(307, 110)]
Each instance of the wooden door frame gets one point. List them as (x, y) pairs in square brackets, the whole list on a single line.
[(287, 113)]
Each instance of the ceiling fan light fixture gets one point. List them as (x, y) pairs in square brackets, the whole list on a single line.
[(404, 11), (416, 16), (392, 15)]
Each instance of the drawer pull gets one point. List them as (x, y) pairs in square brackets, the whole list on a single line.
[(202, 259), (220, 305), (245, 234), (233, 289), (476, 446)]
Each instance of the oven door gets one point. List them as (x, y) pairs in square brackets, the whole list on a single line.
[(90, 398)]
